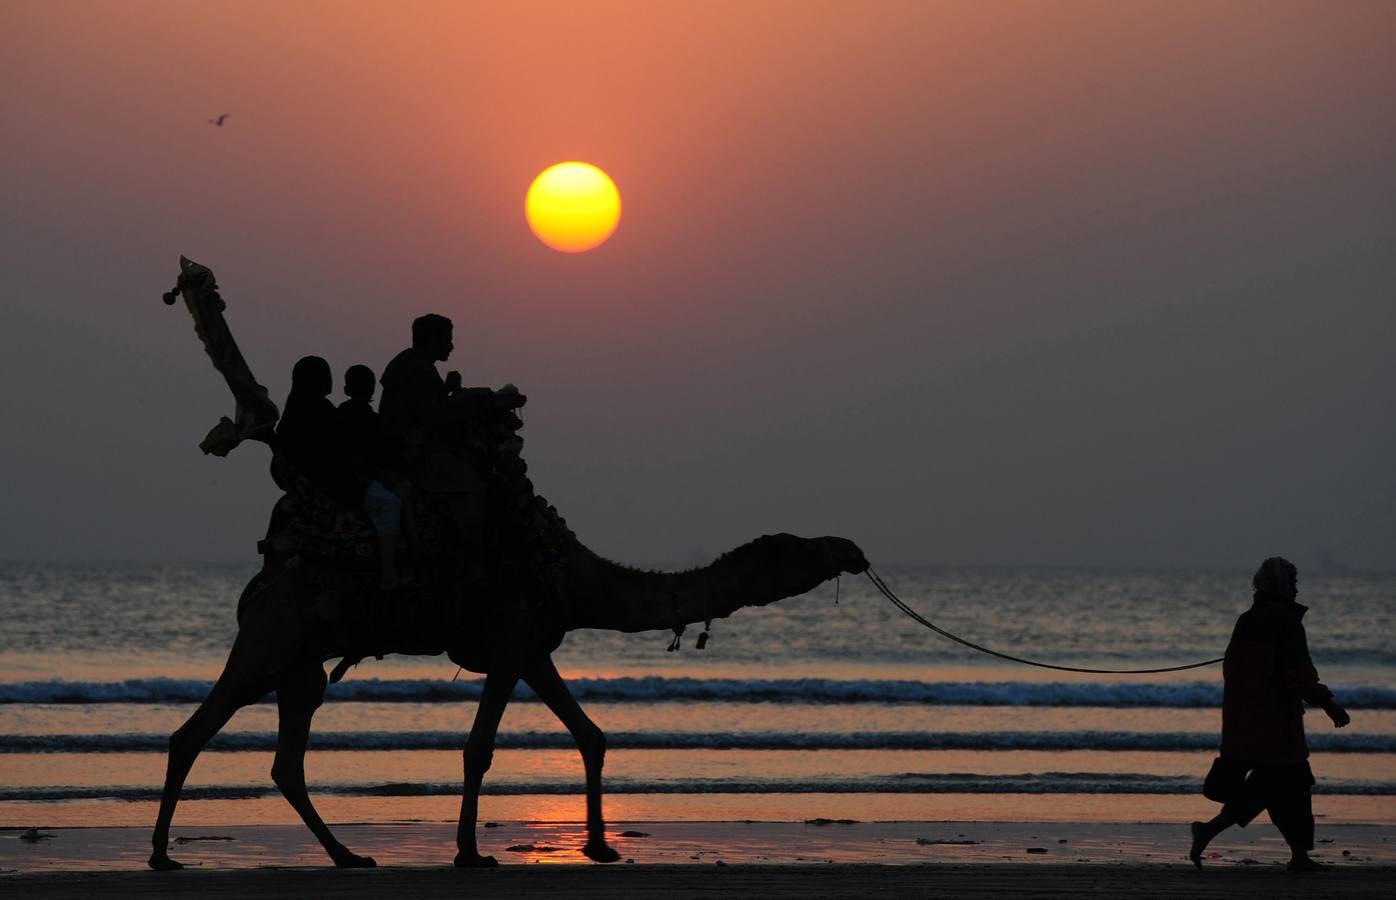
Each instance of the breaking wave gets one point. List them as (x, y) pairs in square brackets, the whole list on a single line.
[(684, 740), (908, 783), (1176, 694)]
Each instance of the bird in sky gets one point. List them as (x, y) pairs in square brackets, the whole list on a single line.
[(218, 121)]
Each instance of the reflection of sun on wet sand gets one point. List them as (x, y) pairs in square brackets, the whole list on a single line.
[(965, 859), (829, 857)]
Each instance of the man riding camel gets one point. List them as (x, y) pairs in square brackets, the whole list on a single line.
[(425, 435)]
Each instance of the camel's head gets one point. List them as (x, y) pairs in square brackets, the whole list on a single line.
[(826, 556), (845, 555), (775, 566)]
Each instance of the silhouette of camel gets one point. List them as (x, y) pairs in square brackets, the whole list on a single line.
[(282, 645)]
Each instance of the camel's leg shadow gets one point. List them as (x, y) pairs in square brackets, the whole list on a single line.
[(479, 752), (591, 741)]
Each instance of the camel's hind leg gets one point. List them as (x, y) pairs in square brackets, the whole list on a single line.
[(298, 695), (591, 741), (479, 752), (229, 694)]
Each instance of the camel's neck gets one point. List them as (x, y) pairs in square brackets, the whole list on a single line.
[(606, 595)]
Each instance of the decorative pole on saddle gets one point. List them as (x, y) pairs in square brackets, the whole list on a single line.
[(254, 415)]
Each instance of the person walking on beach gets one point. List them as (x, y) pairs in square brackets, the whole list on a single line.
[(1264, 762)]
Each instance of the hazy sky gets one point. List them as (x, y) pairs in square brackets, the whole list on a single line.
[(1060, 283)]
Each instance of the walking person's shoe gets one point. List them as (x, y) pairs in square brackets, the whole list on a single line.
[(1306, 864), (1199, 843)]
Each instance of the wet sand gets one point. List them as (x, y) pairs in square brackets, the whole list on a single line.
[(695, 859)]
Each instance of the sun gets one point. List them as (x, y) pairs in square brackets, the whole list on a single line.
[(573, 207)]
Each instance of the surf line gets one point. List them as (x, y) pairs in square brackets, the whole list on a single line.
[(923, 621)]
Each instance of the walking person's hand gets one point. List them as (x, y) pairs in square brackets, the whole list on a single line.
[(1339, 715)]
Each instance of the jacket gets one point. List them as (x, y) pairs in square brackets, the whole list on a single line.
[(1269, 675)]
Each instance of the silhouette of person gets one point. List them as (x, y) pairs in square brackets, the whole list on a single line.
[(362, 426), (1264, 762), (414, 393), (417, 417), (309, 436), (364, 446)]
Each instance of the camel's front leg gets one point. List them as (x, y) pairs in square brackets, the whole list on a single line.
[(591, 741), (298, 695), (479, 752), (229, 694)]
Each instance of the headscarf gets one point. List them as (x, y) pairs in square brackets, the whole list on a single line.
[(1276, 579), (310, 377)]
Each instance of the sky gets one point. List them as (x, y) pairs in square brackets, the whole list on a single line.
[(1011, 283)]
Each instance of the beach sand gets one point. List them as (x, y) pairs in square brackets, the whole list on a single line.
[(704, 859), (673, 882)]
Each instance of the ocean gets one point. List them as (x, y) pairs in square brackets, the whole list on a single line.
[(830, 705)]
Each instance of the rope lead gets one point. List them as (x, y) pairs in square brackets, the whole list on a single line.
[(914, 615)]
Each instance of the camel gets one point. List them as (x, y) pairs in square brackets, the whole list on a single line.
[(283, 641)]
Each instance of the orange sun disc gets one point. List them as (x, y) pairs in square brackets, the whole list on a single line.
[(573, 207)]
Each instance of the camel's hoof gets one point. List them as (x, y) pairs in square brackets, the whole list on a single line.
[(600, 852), (475, 861), (161, 862), (347, 860)]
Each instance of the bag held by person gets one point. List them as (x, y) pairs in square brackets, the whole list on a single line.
[(1225, 779)]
